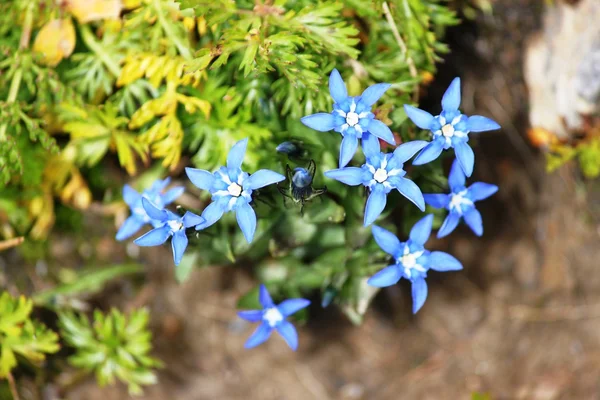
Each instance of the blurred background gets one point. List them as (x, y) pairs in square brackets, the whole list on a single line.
[(96, 94)]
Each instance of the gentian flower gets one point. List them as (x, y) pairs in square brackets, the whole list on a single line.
[(139, 217), (460, 202), (411, 260), (351, 117), (381, 173), (231, 190), (449, 129), (169, 225), (273, 317)]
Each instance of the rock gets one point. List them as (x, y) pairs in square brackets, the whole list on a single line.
[(562, 68)]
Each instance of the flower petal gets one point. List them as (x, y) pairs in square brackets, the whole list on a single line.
[(129, 227), (179, 243), (288, 333), (375, 205), (481, 190), (152, 211), (420, 231), (262, 178), (351, 176), (321, 122), (160, 184), (200, 178), (246, 218), (259, 336), (457, 178), (437, 200), (477, 123), (251, 315), (211, 214), (473, 219), (172, 194), (155, 237), (236, 154), (419, 293), (374, 93), (405, 151), (430, 152), (347, 149), (451, 98), (420, 118), (449, 224), (440, 261), (382, 131), (410, 190), (190, 219), (370, 145), (386, 277), (291, 306), (386, 240), (264, 297), (465, 156), (130, 195), (337, 88)]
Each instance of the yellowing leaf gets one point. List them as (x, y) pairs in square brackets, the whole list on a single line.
[(94, 10), (76, 192), (126, 146), (55, 41)]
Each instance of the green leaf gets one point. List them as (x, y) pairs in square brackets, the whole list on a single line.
[(88, 282)]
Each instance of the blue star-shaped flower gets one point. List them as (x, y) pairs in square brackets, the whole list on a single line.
[(139, 217), (412, 260), (351, 116), (273, 317), (168, 224), (381, 173), (450, 129), (460, 202), (231, 190)]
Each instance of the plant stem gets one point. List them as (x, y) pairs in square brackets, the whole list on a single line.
[(92, 44), (183, 50), (411, 64), (15, 83), (13, 387)]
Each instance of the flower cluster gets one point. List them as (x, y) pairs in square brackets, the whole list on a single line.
[(233, 190), (383, 172)]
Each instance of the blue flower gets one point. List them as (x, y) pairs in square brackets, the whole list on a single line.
[(411, 260), (139, 217), (381, 173), (231, 190), (168, 224), (450, 129), (460, 202), (273, 317), (351, 116)]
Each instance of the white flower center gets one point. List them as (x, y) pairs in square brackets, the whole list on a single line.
[(352, 118), (448, 130), (380, 175), (234, 189), (457, 200), (272, 316), (175, 226), (409, 260)]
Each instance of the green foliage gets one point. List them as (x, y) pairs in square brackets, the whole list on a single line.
[(22, 336), (177, 83), (113, 347), (87, 282), (587, 154)]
